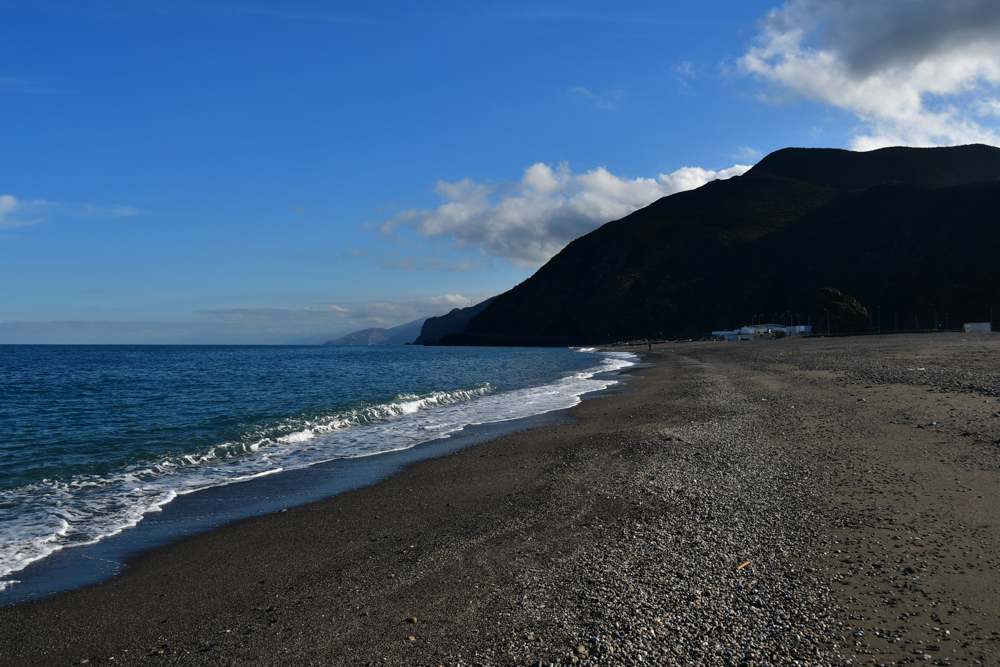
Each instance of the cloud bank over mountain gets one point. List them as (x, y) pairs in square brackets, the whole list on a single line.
[(337, 318), (915, 72), (529, 221), (239, 325)]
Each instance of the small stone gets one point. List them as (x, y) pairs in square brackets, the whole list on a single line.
[(412, 638), (411, 619)]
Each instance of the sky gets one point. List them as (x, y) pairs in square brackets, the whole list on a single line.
[(265, 172)]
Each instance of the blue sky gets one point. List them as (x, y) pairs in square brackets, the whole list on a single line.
[(289, 172)]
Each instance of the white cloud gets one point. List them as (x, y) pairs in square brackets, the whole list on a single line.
[(747, 154), (431, 263), (8, 207), (686, 73), (599, 101), (916, 72), (529, 221), (17, 213)]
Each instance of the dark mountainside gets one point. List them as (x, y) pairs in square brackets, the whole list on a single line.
[(401, 335), (908, 232), (435, 328)]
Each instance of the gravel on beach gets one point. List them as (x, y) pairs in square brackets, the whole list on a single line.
[(811, 502)]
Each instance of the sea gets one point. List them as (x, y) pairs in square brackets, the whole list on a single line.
[(107, 451)]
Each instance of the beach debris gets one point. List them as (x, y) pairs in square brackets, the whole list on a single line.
[(740, 567), (411, 619)]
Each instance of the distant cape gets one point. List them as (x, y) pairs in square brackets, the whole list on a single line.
[(401, 335)]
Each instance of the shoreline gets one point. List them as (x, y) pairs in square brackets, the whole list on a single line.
[(188, 515), (619, 537)]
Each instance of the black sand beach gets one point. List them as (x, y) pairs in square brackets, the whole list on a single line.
[(821, 501)]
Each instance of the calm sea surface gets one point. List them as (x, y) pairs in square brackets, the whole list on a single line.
[(94, 438)]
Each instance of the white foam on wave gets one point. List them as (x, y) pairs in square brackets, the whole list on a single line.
[(50, 515)]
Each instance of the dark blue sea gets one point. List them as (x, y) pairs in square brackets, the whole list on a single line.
[(96, 441)]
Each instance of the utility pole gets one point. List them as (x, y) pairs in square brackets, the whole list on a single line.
[(879, 318)]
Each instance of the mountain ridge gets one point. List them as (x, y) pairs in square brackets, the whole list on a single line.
[(764, 243)]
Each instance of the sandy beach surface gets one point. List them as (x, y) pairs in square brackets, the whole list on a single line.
[(814, 501)]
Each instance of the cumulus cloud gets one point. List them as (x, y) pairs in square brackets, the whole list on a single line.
[(18, 213), (529, 221), (916, 72)]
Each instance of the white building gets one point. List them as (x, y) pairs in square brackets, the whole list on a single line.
[(735, 334), (977, 327)]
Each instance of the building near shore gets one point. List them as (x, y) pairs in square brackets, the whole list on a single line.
[(735, 334), (977, 327), (761, 331)]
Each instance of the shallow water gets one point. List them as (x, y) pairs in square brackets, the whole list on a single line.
[(96, 439)]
